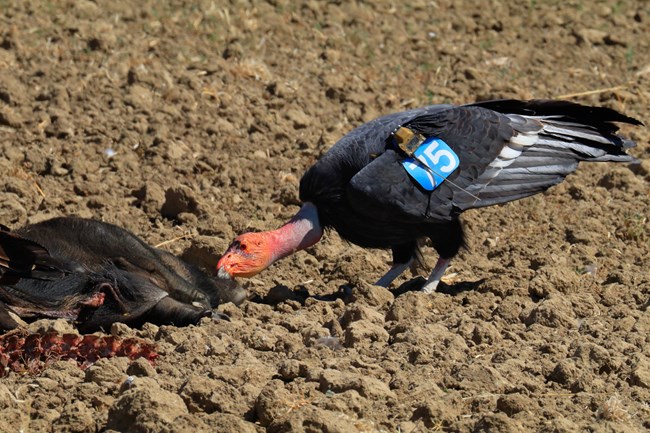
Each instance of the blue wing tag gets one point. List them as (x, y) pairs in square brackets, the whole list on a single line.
[(432, 162)]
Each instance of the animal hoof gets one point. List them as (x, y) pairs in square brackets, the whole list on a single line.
[(220, 316)]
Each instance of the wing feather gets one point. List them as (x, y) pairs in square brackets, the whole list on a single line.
[(507, 149)]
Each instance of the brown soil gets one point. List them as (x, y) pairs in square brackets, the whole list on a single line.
[(191, 123)]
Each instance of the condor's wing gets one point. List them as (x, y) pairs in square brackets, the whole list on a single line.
[(507, 150)]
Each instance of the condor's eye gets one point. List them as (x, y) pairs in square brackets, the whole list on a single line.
[(243, 247)]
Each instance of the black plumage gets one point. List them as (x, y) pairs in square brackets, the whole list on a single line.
[(95, 273), (508, 150)]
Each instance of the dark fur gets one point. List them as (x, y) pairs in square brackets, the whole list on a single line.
[(56, 267)]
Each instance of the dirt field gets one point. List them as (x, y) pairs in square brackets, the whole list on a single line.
[(192, 122)]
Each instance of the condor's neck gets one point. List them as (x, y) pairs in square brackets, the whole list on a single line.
[(302, 231)]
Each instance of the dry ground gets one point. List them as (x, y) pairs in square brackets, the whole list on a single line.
[(193, 121)]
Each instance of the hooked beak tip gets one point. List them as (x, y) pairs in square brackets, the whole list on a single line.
[(223, 274)]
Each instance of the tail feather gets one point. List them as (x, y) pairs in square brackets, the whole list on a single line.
[(550, 139), (601, 118), (570, 133)]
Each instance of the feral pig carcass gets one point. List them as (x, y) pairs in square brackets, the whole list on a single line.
[(94, 274)]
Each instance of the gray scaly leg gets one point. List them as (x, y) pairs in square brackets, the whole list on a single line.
[(438, 271), (395, 271)]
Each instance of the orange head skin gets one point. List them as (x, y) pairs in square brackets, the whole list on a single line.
[(248, 255), (251, 253)]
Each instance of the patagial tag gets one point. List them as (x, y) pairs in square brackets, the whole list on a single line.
[(431, 163)]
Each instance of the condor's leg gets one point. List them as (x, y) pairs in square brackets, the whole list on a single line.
[(403, 256), (438, 271), (447, 239)]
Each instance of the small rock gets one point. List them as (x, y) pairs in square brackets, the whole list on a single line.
[(312, 333), (150, 197), (433, 410), (139, 97), (187, 218), (86, 189), (372, 295), (46, 383), (479, 332), (225, 422), (220, 126), (58, 170), (12, 90), (337, 381), (512, 404), (364, 333), (288, 370), (75, 418), (473, 74), (412, 307), (106, 373), (272, 403), (231, 310), (317, 420), (261, 340), (498, 422), (9, 117), (578, 235), (202, 394), (409, 426), (176, 151), (119, 329), (334, 85), (86, 9), (591, 36), (299, 118), (481, 376), (356, 312), (60, 326), (641, 373), (332, 55), (141, 367), (12, 211), (59, 127), (279, 89), (565, 372), (178, 200), (554, 312), (102, 37), (145, 409), (66, 373)]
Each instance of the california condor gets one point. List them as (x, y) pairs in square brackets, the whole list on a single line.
[(410, 175)]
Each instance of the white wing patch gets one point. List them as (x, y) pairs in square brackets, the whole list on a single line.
[(510, 152), (523, 139)]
